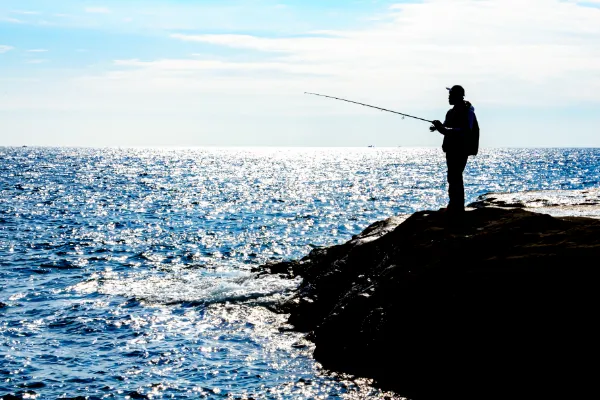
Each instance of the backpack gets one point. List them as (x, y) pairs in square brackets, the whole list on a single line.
[(472, 139)]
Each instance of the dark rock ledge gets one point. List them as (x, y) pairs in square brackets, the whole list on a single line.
[(501, 305)]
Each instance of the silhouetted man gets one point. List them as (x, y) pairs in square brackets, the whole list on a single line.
[(461, 140)]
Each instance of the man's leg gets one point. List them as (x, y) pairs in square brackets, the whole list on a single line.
[(456, 191)]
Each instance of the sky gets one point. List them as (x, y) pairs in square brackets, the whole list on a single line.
[(234, 72)]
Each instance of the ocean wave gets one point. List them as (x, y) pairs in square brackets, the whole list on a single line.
[(188, 287)]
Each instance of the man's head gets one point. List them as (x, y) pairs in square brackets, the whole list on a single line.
[(456, 95)]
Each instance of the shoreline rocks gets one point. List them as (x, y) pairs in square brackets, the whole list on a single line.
[(499, 304)]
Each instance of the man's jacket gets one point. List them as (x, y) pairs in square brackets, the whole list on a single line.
[(462, 135)]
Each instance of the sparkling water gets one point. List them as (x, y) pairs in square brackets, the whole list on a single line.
[(126, 273)]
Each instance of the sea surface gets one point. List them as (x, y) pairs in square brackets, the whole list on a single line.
[(126, 273)]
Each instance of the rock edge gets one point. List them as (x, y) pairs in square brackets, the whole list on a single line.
[(499, 304)]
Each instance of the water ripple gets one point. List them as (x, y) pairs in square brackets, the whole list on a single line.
[(126, 272)]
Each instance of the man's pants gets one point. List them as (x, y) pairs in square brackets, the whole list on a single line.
[(456, 163)]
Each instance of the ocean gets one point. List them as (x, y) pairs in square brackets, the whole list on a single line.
[(126, 273)]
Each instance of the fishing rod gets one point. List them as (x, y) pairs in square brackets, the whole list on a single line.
[(367, 105)]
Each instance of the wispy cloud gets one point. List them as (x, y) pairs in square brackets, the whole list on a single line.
[(37, 51), (97, 10), (12, 20), (187, 65), (286, 45), (25, 12), (36, 61), (4, 48)]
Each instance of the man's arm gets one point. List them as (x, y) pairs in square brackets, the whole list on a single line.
[(444, 130)]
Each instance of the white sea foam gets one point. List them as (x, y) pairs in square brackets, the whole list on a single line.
[(189, 287)]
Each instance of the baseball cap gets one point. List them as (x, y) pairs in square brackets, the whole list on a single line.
[(458, 89)]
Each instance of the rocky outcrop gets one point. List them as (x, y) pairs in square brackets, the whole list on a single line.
[(499, 304), (558, 203)]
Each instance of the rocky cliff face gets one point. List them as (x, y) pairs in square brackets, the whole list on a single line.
[(501, 304)]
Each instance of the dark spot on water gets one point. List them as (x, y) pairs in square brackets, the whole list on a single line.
[(20, 395), (33, 385), (82, 380), (98, 259), (131, 303), (137, 395), (11, 397), (62, 264), (40, 271), (137, 353)]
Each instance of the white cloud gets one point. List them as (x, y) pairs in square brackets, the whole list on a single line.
[(12, 20), (25, 12), (285, 45), (186, 65), (37, 51), (36, 61), (4, 48), (97, 10), (503, 50)]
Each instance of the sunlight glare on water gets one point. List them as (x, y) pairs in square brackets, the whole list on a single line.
[(127, 272)]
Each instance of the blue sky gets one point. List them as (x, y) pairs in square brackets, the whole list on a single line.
[(204, 73)]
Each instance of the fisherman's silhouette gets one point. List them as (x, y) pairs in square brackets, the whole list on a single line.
[(461, 140)]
